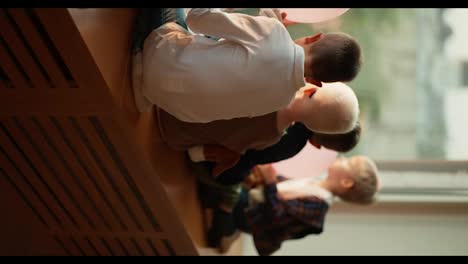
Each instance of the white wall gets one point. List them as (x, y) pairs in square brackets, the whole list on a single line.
[(385, 229), (457, 18)]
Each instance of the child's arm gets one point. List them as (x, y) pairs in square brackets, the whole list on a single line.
[(214, 22), (267, 173), (255, 179), (261, 175), (289, 145)]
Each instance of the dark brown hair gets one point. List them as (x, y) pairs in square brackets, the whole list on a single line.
[(340, 142), (336, 58)]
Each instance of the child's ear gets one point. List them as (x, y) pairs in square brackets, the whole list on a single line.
[(315, 143), (379, 185), (283, 15), (313, 38), (310, 92), (347, 183)]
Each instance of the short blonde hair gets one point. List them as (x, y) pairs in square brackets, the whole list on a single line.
[(366, 184)]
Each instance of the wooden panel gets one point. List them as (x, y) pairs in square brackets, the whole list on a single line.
[(151, 187), (88, 246), (51, 102), (108, 33), (4, 81), (121, 246), (19, 160), (63, 245), (96, 246), (75, 244), (117, 243), (130, 194), (9, 174), (161, 247), (112, 247), (37, 43), (137, 246), (105, 187), (108, 245), (73, 51), (100, 247), (18, 48), (69, 250), (145, 247), (21, 229), (75, 164), (71, 155), (10, 68), (57, 165), (46, 173), (153, 247), (169, 167), (68, 246), (130, 246)]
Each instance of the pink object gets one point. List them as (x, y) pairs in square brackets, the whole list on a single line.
[(309, 162), (312, 15)]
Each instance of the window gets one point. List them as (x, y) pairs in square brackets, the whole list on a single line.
[(426, 181), (465, 74), (410, 109)]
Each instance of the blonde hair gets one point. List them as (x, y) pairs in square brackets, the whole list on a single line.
[(366, 184)]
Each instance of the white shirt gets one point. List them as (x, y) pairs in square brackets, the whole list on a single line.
[(254, 69), (294, 189)]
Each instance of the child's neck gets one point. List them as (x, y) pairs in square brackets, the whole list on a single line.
[(324, 184), (284, 118)]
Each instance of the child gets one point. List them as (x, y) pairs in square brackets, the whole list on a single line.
[(198, 79), (228, 182), (230, 168), (279, 209), (331, 109)]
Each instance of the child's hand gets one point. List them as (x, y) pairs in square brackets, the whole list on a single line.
[(223, 157), (286, 22), (310, 92), (254, 180), (267, 173)]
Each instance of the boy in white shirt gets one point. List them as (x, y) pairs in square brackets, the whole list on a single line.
[(331, 109), (255, 68)]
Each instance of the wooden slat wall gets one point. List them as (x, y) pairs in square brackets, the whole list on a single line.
[(66, 151), (9, 68), (12, 35), (24, 21), (37, 76)]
